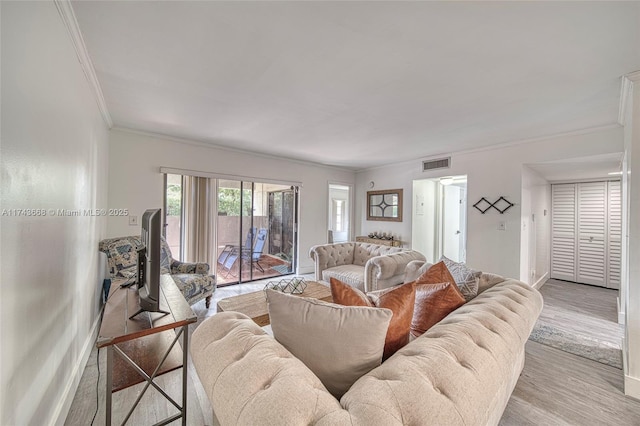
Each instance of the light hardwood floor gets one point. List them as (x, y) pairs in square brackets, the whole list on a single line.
[(583, 310), (555, 388)]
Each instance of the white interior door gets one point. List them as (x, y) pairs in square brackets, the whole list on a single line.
[(586, 233), (339, 212), (592, 214), (451, 229)]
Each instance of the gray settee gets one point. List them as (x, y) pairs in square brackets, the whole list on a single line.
[(462, 371), (367, 267)]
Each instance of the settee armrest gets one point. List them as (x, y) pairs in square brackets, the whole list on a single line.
[(412, 271), (330, 255), (388, 270), (178, 267)]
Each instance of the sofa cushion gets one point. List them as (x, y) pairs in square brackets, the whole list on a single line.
[(438, 273), (437, 295), (434, 302), (467, 279), (338, 343), (400, 300), (349, 274)]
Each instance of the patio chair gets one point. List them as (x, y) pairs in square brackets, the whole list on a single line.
[(255, 254), (231, 252)]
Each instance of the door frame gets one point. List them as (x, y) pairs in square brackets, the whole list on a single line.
[(350, 200)]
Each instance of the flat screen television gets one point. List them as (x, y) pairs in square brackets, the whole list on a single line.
[(149, 262)]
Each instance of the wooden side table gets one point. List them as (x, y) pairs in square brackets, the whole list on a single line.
[(145, 345)]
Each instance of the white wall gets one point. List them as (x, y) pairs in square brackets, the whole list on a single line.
[(491, 173), (535, 218), (54, 156), (135, 181), (630, 289)]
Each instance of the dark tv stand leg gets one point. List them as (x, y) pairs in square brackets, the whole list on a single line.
[(142, 310)]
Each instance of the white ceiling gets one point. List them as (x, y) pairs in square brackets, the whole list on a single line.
[(581, 168), (360, 84)]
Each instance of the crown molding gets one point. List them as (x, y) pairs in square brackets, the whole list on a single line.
[(412, 163), (633, 76), (212, 145), (69, 18), (626, 87)]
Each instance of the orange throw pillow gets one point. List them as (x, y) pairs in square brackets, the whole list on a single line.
[(400, 300), (438, 273), (437, 295)]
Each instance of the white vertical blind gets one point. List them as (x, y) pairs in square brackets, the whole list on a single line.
[(563, 232)]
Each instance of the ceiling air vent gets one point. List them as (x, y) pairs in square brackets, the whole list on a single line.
[(439, 163)]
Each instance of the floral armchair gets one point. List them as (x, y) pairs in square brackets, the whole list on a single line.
[(192, 279)]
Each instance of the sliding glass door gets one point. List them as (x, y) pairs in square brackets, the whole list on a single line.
[(246, 230)]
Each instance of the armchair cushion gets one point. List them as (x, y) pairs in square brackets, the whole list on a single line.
[(350, 274), (178, 267), (194, 286)]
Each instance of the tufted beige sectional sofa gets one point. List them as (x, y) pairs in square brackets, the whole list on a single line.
[(367, 267), (460, 372)]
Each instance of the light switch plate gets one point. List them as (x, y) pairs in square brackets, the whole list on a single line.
[(502, 226)]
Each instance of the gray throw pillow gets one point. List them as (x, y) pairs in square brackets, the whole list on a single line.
[(467, 279), (338, 343)]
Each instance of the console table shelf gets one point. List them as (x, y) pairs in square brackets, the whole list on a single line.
[(392, 243)]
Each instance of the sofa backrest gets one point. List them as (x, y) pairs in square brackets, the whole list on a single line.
[(416, 268), (331, 255)]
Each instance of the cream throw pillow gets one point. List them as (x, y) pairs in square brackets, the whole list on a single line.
[(338, 343)]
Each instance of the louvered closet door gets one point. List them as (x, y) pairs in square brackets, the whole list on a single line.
[(563, 232), (615, 234), (592, 227)]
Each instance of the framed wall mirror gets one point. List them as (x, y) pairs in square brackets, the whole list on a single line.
[(385, 205)]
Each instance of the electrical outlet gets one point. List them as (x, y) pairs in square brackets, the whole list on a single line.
[(502, 226), (133, 220)]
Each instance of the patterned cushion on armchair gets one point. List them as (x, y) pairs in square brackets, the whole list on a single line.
[(194, 286), (122, 255)]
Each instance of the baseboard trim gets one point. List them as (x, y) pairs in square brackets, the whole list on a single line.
[(61, 412), (632, 387), (621, 316), (305, 270), (543, 279)]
